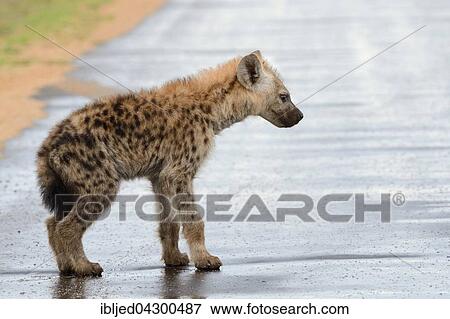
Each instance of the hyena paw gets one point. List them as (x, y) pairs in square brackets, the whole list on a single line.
[(177, 260), (208, 262), (88, 269)]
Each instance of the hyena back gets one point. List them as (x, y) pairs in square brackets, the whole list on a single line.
[(163, 134)]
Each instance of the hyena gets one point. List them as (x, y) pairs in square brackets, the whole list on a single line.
[(163, 134)]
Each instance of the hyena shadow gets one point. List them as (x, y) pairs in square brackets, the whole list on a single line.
[(70, 287), (182, 283), (174, 283)]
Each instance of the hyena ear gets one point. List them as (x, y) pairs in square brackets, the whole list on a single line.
[(249, 70), (258, 54)]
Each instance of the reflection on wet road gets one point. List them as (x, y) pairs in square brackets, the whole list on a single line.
[(382, 129)]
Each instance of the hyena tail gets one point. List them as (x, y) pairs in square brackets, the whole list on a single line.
[(51, 185)]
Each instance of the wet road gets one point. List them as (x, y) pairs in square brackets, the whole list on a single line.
[(384, 128)]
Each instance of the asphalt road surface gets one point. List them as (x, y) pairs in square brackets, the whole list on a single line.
[(382, 129)]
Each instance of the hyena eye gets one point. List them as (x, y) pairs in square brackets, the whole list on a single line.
[(284, 97)]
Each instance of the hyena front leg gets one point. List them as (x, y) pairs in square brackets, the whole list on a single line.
[(193, 227), (169, 228)]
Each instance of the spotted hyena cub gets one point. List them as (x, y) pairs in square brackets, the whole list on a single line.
[(163, 134)]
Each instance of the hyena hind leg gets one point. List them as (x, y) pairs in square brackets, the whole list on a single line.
[(69, 232), (61, 259)]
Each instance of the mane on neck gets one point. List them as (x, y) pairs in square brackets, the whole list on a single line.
[(204, 81)]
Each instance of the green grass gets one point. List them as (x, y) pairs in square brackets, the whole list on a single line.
[(54, 18)]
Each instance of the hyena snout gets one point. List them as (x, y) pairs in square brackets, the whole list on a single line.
[(290, 117), (286, 117)]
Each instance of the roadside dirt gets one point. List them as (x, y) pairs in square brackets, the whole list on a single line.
[(18, 109)]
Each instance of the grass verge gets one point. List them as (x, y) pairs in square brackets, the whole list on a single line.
[(55, 18)]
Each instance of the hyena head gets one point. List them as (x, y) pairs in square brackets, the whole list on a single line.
[(272, 100)]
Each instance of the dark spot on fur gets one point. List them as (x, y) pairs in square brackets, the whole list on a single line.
[(98, 162), (118, 108), (88, 140), (65, 138), (87, 166), (98, 123), (65, 158), (137, 122), (120, 131)]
